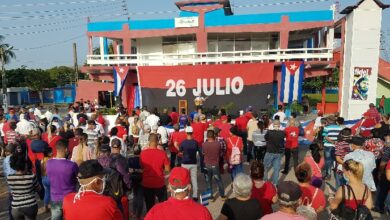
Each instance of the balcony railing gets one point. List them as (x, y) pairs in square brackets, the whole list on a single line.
[(278, 55)]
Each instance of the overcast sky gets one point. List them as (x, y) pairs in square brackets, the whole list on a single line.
[(43, 30)]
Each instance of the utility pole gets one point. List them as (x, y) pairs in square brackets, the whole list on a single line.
[(4, 85), (76, 67)]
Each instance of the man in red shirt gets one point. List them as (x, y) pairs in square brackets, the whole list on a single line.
[(174, 143), (241, 123), (73, 142), (292, 135), (52, 138), (154, 162), (373, 113), (88, 203), (199, 130), (225, 127), (174, 116), (367, 125), (179, 205)]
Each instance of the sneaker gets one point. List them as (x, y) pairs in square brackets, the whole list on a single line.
[(375, 209)]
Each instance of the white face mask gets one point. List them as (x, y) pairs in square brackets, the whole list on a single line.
[(82, 189)]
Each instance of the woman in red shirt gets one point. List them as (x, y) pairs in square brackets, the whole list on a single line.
[(353, 171), (262, 191), (234, 152), (316, 163), (311, 195)]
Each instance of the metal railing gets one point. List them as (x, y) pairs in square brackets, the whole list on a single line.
[(277, 55)]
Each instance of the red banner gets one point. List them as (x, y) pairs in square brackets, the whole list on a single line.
[(221, 83)]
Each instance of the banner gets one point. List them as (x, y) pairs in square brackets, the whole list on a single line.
[(120, 75), (291, 83), (234, 85), (360, 83)]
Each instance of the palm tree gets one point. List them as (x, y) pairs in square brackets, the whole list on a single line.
[(8, 53)]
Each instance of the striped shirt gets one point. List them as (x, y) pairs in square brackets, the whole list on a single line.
[(92, 137), (23, 188), (332, 132)]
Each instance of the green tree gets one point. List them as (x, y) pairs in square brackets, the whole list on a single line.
[(37, 80), (62, 75), (8, 53)]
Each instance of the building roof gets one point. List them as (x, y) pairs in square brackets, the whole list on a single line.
[(225, 3), (384, 70), (349, 9)]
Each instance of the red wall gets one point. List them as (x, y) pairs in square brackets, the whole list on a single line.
[(88, 90)]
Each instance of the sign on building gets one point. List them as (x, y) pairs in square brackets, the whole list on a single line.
[(185, 22)]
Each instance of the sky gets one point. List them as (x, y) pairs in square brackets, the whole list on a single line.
[(43, 31)]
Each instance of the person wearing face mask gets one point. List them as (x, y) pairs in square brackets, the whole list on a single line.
[(88, 202), (179, 205)]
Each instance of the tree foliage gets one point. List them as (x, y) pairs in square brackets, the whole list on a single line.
[(9, 54), (315, 84)]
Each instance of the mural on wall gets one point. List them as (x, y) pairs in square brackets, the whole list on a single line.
[(360, 84)]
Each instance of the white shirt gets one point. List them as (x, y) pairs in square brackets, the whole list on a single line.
[(317, 122), (1, 129), (282, 116), (37, 112), (23, 127), (152, 120), (164, 134), (99, 128), (49, 115)]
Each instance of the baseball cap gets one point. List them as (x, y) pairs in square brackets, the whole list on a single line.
[(105, 148), (31, 110), (359, 141), (179, 177), (42, 117), (90, 168), (189, 129), (289, 191), (224, 118)]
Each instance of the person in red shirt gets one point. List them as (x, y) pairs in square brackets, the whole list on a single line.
[(199, 130), (174, 143), (51, 138), (122, 131), (73, 142), (311, 195), (262, 191), (225, 127), (373, 113), (174, 116), (89, 203), (179, 205), (234, 156), (367, 125), (154, 162), (292, 135), (241, 123)]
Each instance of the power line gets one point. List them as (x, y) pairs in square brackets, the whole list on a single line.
[(59, 10), (39, 25), (56, 3), (51, 44), (280, 3), (45, 31)]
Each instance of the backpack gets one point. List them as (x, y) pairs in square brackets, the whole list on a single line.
[(235, 157), (115, 188), (346, 213), (307, 210)]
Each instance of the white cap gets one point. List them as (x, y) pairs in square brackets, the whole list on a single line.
[(189, 129), (42, 117)]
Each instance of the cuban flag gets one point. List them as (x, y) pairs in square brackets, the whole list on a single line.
[(292, 79), (120, 75)]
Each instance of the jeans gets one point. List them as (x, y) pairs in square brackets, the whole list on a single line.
[(138, 201), (329, 159), (150, 195), (288, 153), (387, 204), (259, 152), (56, 210), (213, 172), (193, 168), (236, 169), (250, 154), (340, 181), (25, 213), (382, 190), (173, 159), (272, 160), (46, 186), (9, 207)]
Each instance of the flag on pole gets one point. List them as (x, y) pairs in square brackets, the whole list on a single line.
[(292, 79), (120, 75)]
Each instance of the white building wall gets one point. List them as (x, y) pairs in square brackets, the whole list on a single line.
[(150, 46), (362, 42)]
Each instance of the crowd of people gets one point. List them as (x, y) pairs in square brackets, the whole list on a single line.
[(83, 168)]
